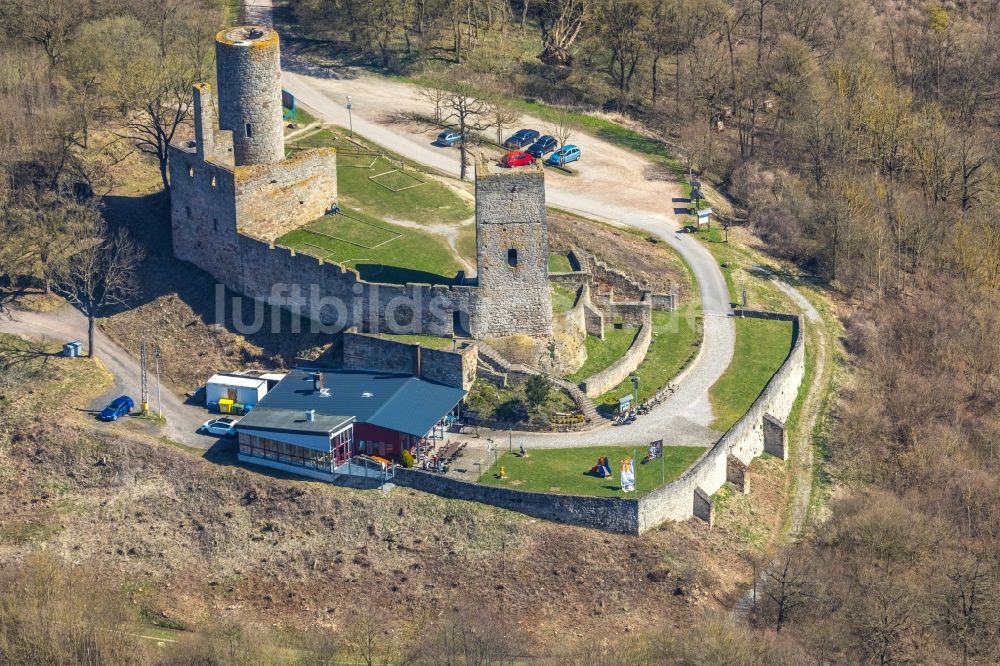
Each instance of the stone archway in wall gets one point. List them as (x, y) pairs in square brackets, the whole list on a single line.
[(460, 323)]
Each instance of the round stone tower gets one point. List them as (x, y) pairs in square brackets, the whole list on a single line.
[(248, 65)]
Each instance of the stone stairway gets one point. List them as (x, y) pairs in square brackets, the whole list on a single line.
[(495, 363), (583, 403)]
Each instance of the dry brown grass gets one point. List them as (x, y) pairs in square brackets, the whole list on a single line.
[(655, 265), (198, 542)]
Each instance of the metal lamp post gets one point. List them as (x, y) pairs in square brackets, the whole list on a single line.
[(350, 116)]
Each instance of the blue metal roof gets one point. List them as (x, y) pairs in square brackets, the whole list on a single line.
[(399, 402)]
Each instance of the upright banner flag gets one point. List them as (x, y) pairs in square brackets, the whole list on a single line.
[(628, 475)]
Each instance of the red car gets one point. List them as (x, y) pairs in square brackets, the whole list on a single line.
[(515, 159)]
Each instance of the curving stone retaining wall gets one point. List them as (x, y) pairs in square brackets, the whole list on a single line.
[(688, 495), (745, 440), (605, 380)]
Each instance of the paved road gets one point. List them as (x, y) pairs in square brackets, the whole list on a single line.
[(69, 324), (683, 419)]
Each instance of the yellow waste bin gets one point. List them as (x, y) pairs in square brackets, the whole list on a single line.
[(226, 405)]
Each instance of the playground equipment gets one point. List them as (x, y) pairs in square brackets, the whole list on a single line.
[(602, 468)]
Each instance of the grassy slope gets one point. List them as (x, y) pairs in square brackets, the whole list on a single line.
[(674, 336), (562, 298), (602, 353), (433, 202), (761, 347), (565, 470), (559, 263)]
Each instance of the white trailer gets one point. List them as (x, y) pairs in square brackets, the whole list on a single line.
[(240, 389)]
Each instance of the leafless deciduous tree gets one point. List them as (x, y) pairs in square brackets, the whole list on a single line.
[(502, 115), (101, 274), (471, 114), (560, 22)]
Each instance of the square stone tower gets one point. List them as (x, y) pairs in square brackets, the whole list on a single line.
[(512, 251)]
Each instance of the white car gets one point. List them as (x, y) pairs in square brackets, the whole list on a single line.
[(222, 427)]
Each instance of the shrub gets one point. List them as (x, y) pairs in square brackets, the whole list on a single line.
[(407, 459)]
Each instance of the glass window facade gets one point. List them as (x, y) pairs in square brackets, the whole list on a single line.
[(341, 446)]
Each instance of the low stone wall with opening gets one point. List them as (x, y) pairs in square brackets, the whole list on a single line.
[(368, 352)]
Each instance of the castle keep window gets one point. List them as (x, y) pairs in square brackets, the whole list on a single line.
[(213, 180), (249, 130), (512, 257), (191, 172)]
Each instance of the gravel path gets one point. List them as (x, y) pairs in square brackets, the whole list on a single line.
[(68, 324)]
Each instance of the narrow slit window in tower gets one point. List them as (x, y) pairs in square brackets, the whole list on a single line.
[(191, 172), (249, 129), (213, 181), (512, 257), (215, 224)]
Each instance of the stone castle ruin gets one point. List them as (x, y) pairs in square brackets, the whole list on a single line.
[(234, 192)]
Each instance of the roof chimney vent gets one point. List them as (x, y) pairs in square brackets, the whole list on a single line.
[(317, 378), (310, 415)]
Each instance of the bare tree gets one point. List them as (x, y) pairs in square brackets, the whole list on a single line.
[(560, 22), (101, 274), (786, 587), (48, 23), (470, 113), (561, 126), (436, 96), (161, 106), (502, 115)]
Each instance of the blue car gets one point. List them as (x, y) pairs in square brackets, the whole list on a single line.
[(564, 156), (521, 138), (448, 138), (544, 144), (119, 407)]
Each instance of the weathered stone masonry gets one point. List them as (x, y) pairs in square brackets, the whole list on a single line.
[(233, 194)]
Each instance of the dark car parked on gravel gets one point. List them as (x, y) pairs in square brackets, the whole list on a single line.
[(448, 138), (544, 144), (521, 138)]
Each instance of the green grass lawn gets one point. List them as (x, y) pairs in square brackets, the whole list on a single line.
[(565, 471), (602, 353), (673, 346), (563, 299), (428, 202), (761, 347), (559, 263), (429, 341), (380, 251)]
